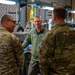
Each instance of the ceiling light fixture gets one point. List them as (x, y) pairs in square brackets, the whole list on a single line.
[(47, 8), (7, 2), (71, 11)]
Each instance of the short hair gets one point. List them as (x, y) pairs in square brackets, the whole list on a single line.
[(60, 12), (37, 17), (4, 18)]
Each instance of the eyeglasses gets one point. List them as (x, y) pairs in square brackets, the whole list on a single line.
[(12, 21)]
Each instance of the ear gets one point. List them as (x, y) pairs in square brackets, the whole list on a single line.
[(7, 23), (55, 17)]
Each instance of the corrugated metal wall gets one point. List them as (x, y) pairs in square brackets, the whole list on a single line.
[(8, 9), (13, 10), (23, 15)]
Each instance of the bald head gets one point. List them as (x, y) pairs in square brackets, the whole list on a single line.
[(8, 23), (6, 18)]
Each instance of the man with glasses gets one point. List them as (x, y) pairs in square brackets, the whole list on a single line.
[(11, 51)]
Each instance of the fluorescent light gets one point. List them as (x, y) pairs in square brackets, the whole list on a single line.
[(7, 2), (72, 11), (47, 8)]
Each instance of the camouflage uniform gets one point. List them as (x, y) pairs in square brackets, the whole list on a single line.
[(11, 53), (57, 51)]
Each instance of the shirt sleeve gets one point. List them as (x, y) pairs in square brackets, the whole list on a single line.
[(27, 41), (18, 51)]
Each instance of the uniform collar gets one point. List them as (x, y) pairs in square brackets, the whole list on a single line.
[(59, 24), (2, 28), (42, 29)]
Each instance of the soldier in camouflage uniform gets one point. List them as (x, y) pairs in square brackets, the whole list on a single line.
[(57, 50), (11, 51)]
